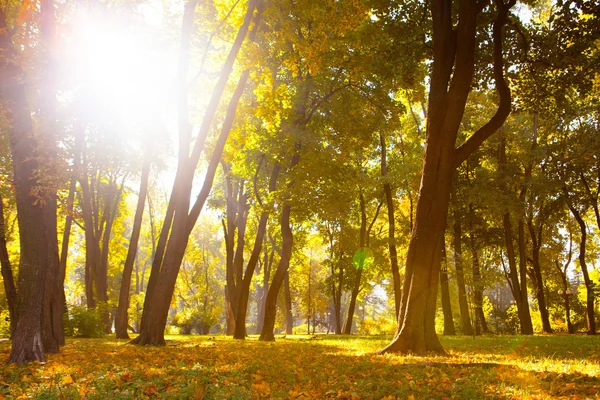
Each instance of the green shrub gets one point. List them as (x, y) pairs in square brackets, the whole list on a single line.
[(197, 321), (84, 322)]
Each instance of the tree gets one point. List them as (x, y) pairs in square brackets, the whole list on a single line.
[(180, 219), (451, 80), (36, 205), (121, 320)]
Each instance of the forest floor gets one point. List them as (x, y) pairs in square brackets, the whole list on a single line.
[(298, 367)]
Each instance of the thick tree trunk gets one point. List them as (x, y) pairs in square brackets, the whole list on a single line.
[(7, 275), (589, 285), (445, 292), (391, 228), (452, 74), (465, 316), (34, 229), (240, 323), (121, 320), (52, 323)]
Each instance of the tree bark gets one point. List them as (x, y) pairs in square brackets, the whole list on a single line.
[(35, 227), (121, 320), (450, 84)]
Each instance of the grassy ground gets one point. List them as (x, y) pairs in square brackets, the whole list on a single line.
[(296, 367)]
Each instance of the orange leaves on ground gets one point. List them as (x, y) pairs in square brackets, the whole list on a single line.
[(330, 368)]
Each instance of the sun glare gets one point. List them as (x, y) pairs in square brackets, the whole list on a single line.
[(119, 64)]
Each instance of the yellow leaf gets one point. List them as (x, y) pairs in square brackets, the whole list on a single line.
[(26, 11), (410, 397), (67, 380)]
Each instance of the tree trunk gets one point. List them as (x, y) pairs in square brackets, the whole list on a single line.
[(523, 278), (121, 320), (589, 285), (480, 322), (356, 288), (450, 84), (240, 323), (515, 286), (391, 228), (34, 229), (7, 275), (267, 263), (445, 290), (64, 253), (536, 241), (175, 234), (289, 318), (54, 307), (467, 328), (267, 333)]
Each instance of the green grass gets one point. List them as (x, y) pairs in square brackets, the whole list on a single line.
[(296, 367)]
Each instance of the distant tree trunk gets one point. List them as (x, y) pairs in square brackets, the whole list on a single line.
[(480, 322), (516, 286), (289, 318), (64, 253), (536, 244), (121, 320), (337, 279), (523, 275), (365, 234), (240, 323), (391, 228), (589, 285), (267, 263), (467, 328), (450, 84), (236, 217), (566, 285), (267, 333), (356, 288), (7, 275), (180, 220), (445, 291)]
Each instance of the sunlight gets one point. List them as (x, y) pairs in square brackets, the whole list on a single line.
[(119, 65)]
